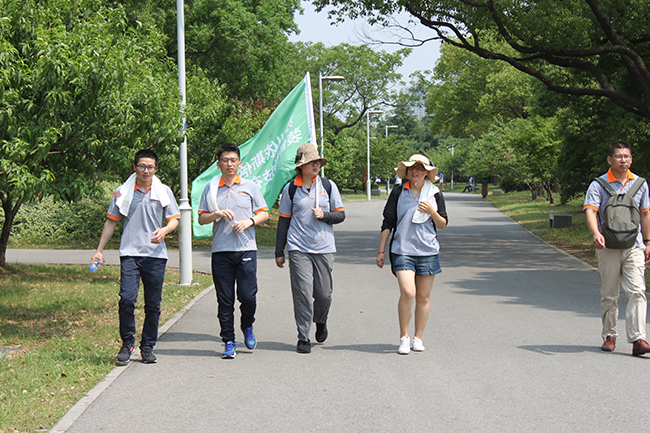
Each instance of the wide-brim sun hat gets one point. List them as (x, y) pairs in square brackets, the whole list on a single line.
[(432, 170), (307, 152)]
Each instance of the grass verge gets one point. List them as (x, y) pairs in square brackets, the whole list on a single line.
[(59, 332)]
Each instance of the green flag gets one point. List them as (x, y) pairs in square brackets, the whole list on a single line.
[(268, 158)]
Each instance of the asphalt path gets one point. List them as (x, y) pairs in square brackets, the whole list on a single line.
[(512, 345)]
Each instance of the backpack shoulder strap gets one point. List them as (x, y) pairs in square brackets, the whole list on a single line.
[(292, 190), (327, 185), (638, 183), (606, 185)]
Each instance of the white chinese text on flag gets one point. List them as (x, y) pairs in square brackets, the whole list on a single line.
[(268, 157)]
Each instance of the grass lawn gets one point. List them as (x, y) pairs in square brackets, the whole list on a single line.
[(60, 324)]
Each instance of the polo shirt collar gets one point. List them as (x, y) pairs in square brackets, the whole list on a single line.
[(223, 182), (298, 180), (611, 178), (135, 187)]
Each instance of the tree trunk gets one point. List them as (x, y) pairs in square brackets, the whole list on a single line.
[(10, 214), (549, 192)]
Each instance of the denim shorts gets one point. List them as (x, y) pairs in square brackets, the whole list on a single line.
[(421, 265)]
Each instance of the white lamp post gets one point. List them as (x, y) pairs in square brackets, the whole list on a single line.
[(390, 127), (452, 170), (368, 113), (320, 111), (185, 232)]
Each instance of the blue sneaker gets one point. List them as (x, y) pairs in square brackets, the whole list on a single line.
[(249, 337), (229, 353)]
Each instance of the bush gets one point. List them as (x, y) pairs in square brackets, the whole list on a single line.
[(510, 183), (53, 222)]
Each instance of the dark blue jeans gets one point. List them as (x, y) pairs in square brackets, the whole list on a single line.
[(228, 268), (152, 273)]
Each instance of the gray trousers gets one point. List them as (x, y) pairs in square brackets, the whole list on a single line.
[(311, 287)]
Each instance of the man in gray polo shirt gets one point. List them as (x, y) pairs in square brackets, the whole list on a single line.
[(144, 202), (235, 205), (621, 268)]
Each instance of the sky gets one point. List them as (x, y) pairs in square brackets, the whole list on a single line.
[(315, 27)]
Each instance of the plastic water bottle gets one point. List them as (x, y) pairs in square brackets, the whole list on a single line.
[(94, 266), (243, 237)]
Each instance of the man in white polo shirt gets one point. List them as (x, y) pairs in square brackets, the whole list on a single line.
[(144, 202), (235, 205)]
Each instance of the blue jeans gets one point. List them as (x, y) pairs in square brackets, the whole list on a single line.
[(152, 273), (228, 268)]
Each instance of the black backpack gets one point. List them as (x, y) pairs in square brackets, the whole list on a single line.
[(621, 216)]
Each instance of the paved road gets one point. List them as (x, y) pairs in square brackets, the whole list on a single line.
[(512, 345)]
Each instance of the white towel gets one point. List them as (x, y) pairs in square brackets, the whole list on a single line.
[(125, 194), (213, 206), (427, 193)]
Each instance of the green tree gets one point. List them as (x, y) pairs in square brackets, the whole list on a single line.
[(532, 148), (79, 91), (574, 47), (371, 80), (470, 92), (240, 44)]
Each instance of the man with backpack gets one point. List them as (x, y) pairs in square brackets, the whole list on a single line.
[(616, 205)]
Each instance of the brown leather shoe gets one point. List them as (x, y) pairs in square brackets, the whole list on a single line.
[(640, 347), (610, 344)]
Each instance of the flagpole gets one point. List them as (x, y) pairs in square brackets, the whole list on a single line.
[(185, 233)]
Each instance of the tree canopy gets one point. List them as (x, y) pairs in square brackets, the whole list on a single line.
[(574, 47), (79, 91)]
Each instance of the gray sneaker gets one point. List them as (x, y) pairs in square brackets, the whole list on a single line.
[(125, 354), (147, 355)]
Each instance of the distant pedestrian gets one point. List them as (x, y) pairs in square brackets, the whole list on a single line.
[(470, 185), (144, 203), (621, 266), (415, 212), (310, 205), (234, 205)]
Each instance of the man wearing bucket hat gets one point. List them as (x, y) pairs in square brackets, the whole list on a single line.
[(310, 205), (414, 211)]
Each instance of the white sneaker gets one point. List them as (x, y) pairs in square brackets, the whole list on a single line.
[(404, 346), (417, 345)]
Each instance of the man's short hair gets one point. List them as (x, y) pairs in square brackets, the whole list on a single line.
[(145, 153), (618, 145), (228, 147)]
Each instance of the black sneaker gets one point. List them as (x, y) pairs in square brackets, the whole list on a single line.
[(147, 355), (125, 354), (303, 346), (321, 332)]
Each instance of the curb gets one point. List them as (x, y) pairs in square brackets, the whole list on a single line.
[(75, 412)]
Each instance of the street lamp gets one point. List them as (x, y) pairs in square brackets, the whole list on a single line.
[(390, 127), (368, 113), (452, 164), (185, 232), (320, 108)]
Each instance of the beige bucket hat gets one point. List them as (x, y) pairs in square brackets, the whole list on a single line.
[(432, 170), (307, 152)]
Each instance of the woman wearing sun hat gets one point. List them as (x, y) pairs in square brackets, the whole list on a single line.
[(310, 205), (414, 211)]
